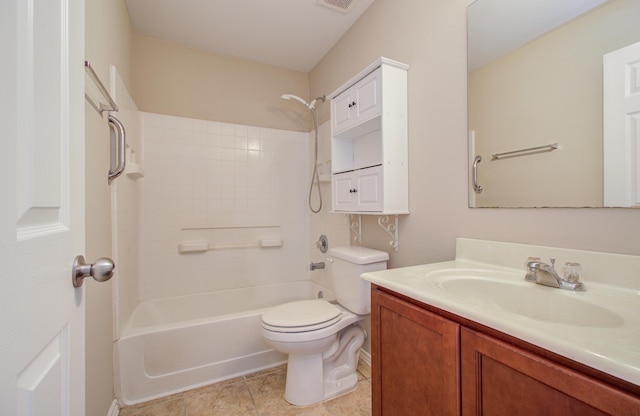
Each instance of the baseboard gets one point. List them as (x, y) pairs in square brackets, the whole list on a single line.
[(365, 356), (114, 410)]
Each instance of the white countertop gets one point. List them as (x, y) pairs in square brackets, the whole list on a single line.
[(609, 345)]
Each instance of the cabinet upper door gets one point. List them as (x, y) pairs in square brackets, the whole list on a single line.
[(342, 110), (359, 103), (367, 97)]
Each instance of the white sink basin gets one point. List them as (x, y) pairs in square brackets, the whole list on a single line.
[(509, 292), (485, 284)]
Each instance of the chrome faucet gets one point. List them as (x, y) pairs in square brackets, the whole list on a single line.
[(545, 274), (314, 266)]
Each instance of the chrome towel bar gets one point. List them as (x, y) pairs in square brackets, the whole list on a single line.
[(477, 188), (111, 105), (120, 152), (525, 152)]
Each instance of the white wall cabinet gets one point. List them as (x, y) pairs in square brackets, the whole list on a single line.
[(359, 190), (369, 141)]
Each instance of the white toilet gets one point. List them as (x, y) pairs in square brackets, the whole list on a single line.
[(323, 340)]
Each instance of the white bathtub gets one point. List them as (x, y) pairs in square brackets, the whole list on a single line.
[(172, 345)]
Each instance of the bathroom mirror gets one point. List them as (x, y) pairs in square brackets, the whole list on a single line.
[(537, 79)]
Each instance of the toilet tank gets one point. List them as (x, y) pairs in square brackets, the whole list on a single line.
[(348, 264)]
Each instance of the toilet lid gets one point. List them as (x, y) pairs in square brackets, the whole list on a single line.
[(303, 315)]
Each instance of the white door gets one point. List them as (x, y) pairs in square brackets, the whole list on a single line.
[(42, 209), (621, 117)]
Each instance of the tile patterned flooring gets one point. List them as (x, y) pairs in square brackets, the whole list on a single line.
[(258, 394)]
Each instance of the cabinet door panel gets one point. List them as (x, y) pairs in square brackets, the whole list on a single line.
[(367, 96), (500, 379), (342, 191), (415, 360), (369, 186), (342, 111)]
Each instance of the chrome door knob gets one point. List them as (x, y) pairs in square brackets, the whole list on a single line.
[(101, 270)]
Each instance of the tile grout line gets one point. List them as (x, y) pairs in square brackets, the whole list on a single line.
[(253, 400)]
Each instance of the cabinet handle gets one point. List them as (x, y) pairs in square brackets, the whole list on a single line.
[(353, 191)]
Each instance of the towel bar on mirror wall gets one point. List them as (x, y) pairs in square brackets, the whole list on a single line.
[(477, 188), (525, 152)]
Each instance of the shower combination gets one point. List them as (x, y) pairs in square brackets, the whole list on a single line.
[(314, 176)]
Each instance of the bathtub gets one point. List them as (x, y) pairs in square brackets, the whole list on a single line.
[(172, 345)]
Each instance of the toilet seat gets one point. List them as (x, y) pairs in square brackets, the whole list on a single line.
[(301, 316)]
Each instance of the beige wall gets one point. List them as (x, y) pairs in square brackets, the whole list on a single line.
[(108, 41), (430, 36), (172, 79)]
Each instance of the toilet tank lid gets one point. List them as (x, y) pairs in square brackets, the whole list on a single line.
[(359, 255)]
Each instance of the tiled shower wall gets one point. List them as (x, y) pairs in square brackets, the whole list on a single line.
[(211, 175)]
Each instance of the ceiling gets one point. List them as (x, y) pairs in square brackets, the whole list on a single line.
[(292, 34)]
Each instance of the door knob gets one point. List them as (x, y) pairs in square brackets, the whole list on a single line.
[(101, 270)]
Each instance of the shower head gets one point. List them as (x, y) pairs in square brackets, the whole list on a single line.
[(295, 97), (310, 106)]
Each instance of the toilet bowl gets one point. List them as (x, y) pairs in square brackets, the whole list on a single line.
[(323, 339)]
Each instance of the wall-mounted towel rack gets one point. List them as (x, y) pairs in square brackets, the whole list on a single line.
[(525, 152), (202, 246), (119, 143), (201, 239), (101, 102), (108, 104)]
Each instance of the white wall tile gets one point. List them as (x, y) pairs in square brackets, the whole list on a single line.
[(210, 174)]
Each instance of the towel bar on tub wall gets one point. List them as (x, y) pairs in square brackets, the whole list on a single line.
[(104, 102), (119, 144)]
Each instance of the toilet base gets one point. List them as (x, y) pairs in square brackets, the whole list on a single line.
[(312, 378)]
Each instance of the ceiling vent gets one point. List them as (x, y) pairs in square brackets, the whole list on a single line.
[(340, 5)]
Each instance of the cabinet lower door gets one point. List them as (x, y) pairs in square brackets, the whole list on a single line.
[(415, 360), (369, 189), (343, 187), (500, 379)]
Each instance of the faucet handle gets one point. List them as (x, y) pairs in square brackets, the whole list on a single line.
[(529, 260), (572, 272)]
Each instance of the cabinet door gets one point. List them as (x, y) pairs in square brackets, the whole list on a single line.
[(343, 110), (500, 379), (368, 189), (367, 97), (415, 360), (343, 186)]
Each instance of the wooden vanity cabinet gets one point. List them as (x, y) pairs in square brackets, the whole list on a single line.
[(424, 364), (415, 360)]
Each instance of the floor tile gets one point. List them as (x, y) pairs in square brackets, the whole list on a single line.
[(174, 407), (257, 394), (230, 399)]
